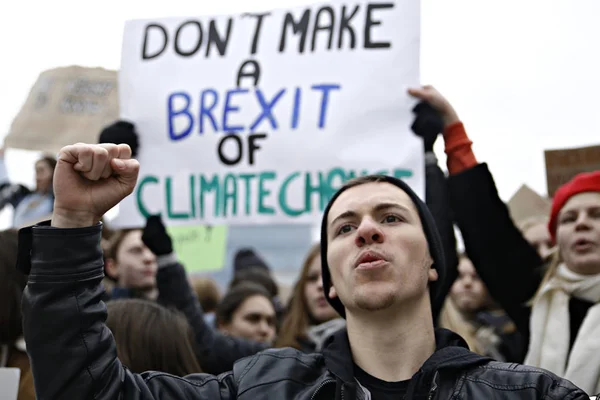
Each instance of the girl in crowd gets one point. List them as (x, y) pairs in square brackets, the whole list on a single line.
[(470, 311), (29, 206), (247, 311), (166, 347), (310, 319)]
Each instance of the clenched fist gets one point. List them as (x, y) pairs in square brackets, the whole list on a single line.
[(89, 180), (431, 95)]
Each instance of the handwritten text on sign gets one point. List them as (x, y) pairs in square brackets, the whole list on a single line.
[(259, 118)]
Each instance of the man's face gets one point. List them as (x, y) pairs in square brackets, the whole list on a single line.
[(136, 264), (377, 251)]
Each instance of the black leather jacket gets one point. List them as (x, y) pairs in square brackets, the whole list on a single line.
[(73, 354)]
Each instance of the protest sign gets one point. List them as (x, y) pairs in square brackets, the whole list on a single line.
[(200, 248), (259, 118), (562, 165), (526, 203), (66, 105), (9, 383)]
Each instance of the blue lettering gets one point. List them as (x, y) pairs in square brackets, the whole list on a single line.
[(296, 109), (206, 109), (184, 111), (231, 108), (267, 109), (325, 88)]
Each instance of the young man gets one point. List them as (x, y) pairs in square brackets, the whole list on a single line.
[(381, 258)]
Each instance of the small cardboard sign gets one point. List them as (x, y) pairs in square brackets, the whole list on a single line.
[(562, 165)]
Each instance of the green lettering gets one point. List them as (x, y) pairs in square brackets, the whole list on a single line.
[(193, 195), (283, 197), (172, 214), (330, 190), (264, 192), (208, 186), (320, 189), (138, 194), (247, 178), (230, 194), (402, 173)]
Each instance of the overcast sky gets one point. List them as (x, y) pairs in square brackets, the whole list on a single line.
[(522, 74)]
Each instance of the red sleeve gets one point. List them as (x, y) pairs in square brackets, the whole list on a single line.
[(458, 149)]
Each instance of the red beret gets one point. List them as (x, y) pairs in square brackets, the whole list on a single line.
[(581, 183)]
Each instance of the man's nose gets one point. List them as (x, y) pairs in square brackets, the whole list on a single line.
[(369, 232)]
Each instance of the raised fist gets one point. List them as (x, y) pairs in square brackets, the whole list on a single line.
[(431, 95), (89, 180)]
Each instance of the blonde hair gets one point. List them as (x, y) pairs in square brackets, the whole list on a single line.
[(555, 261), (451, 318)]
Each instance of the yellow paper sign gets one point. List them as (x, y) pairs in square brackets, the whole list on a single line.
[(200, 248)]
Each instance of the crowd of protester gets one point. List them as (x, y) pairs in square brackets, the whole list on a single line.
[(521, 293)]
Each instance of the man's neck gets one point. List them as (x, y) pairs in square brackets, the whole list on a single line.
[(392, 345)]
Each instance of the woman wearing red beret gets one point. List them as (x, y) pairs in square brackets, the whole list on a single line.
[(556, 307)]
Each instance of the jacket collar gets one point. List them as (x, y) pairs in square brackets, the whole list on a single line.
[(451, 353)]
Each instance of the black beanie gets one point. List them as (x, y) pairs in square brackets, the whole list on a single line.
[(431, 234), (121, 132), (246, 259)]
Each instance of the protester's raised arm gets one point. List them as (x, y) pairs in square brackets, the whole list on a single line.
[(73, 354), (216, 352), (506, 262)]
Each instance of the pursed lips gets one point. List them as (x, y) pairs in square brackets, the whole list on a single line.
[(369, 256)]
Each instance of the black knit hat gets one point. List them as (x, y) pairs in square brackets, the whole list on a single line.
[(121, 132), (431, 234), (247, 258)]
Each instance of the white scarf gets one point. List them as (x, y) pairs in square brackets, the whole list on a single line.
[(550, 330)]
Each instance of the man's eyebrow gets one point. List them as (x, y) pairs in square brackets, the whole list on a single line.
[(378, 207)]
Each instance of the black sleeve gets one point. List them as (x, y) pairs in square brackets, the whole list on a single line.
[(438, 202), (216, 352), (73, 354), (508, 265)]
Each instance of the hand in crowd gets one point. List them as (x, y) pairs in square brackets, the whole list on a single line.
[(89, 180), (156, 237), (437, 101)]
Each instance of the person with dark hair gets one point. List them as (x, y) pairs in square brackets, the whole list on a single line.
[(150, 337), (131, 265), (247, 258), (29, 206), (382, 263), (12, 346), (261, 276), (121, 132), (247, 311)]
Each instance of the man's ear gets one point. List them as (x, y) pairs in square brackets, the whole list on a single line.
[(433, 275), (110, 266), (332, 292)]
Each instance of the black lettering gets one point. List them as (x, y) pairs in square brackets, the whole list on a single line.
[(297, 27), (369, 23), (254, 73), (214, 38), (224, 159), (259, 20), (345, 26), (145, 55), (198, 43), (328, 26), (252, 146)]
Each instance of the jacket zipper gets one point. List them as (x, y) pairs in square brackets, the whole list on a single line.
[(433, 386), (326, 382)]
